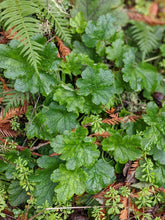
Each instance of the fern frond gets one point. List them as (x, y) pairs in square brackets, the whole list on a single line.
[(57, 17), (145, 37), (13, 99), (17, 15)]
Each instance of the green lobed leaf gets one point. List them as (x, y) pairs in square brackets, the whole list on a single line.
[(44, 189), (50, 121), (66, 95), (44, 83), (75, 63), (47, 162), (100, 175), (158, 155), (15, 64), (123, 148), (139, 76), (162, 49), (154, 135), (115, 52), (4, 166), (23, 84), (90, 107), (35, 127), (49, 60), (17, 195), (98, 83), (101, 30), (100, 48), (78, 23), (58, 119), (152, 110), (76, 148), (129, 58), (18, 68), (160, 175), (70, 182), (79, 47), (95, 8), (47, 83)]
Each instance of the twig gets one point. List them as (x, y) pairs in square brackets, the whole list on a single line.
[(47, 6), (89, 124), (4, 159), (40, 145), (9, 216), (23, 148), (27, 210), (128, 208), (64, 208), (152, 58), (144, 18), (31, 116), (50, 39)]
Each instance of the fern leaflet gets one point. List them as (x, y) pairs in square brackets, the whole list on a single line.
[(17, 15), (57, 17), (13, 99), (145, 37)]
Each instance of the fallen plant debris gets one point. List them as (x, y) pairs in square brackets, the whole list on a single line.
[(149, 20), (64, 51)]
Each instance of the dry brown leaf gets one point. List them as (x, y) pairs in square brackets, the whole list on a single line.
[(126, 168), (131, 172), (63, 50), (153, 11), (7, 212), (1, 98), (112, 121), (161, 189), (8, 34), (14, 112), (124, 211), (103, 134), (4, 40), (8, 132), (115, 119), (5, 125), (5, 87), (58, 55), (132, 118)]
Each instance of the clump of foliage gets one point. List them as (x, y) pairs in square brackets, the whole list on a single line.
[(88, 115)]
